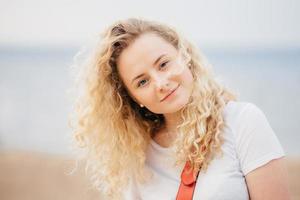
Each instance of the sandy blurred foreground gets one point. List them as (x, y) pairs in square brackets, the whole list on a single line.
[(37, 176)]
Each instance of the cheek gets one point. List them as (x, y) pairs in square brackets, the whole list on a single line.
[(144, 97), (186, 77)]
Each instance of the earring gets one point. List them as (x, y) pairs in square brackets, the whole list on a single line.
[(190, 65), (141, 105)]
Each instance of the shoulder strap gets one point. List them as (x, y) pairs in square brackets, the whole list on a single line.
[(187, 184)]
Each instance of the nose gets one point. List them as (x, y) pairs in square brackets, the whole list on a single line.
[(161, 83)]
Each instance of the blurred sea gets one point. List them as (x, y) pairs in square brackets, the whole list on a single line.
[(34, 104)]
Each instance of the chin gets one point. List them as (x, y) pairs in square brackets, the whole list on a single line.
[(174, 108)]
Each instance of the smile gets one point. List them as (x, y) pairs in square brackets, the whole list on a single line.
[(170, 93)]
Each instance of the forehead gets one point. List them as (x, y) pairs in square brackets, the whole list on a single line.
[(142, 53)]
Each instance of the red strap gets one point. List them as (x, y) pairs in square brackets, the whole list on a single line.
[(187, 185)]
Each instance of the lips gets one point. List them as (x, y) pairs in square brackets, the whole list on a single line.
[(169, 94)]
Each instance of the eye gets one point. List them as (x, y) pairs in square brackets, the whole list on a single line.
[(163, 65), (142, 82)]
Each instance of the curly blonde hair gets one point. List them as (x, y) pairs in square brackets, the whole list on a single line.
[(116, 131)]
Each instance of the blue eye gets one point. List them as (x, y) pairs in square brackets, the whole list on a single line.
[(141, 83)]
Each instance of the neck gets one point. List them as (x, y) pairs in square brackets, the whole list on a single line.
[(172, 120), (168, 134)]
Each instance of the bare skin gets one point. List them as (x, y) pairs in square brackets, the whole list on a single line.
[(269, 181)]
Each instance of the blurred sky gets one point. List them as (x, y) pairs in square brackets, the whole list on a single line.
[(267, 23), (263, 65)]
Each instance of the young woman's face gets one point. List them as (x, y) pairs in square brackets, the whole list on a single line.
[(155, 74)]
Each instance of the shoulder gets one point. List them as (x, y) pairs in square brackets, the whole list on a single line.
[(255, 141), (245, 119), (237, 112)]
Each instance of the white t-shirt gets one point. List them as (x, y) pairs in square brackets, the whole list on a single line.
[(249, 142)]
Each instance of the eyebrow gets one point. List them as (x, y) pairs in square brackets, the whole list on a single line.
[(155, 62)]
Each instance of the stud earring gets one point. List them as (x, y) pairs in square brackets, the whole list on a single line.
[(141, 105)]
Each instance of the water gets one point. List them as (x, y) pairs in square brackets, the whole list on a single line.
[(34, 104)]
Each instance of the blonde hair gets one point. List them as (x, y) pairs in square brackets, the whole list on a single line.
[(116, 131)]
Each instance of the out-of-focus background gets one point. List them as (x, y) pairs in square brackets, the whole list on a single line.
[(254, 47)]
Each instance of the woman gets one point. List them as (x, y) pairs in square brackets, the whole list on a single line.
[(151, 105)]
